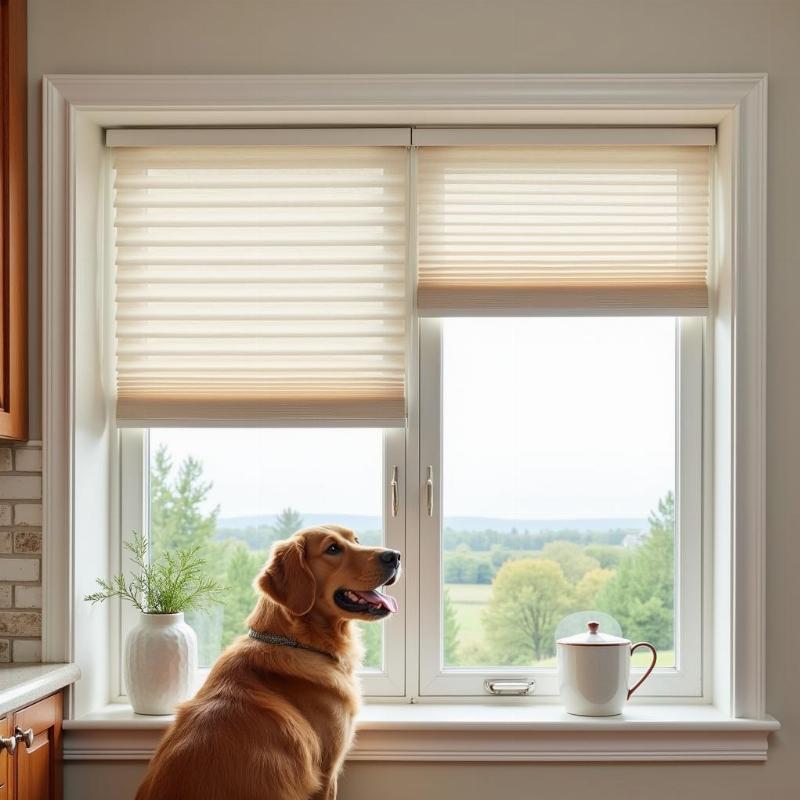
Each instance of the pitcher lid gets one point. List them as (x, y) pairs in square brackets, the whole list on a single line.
[(593, 637)]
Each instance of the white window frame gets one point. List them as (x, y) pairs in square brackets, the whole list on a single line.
[(79, 458), (685, 680), (130, 503), (133, 507)]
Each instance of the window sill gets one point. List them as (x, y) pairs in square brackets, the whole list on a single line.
[(475, 732)]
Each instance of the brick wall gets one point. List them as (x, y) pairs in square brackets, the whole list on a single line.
[(20, 552)]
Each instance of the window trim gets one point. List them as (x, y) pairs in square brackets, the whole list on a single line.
[(473, 732), (76, 447)]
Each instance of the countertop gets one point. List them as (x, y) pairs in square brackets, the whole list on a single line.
[(21, 684)]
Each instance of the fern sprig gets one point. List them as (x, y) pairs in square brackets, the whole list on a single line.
[(171, 583)]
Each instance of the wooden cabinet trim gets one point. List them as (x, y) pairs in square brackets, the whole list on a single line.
[(40, 715), (6, 772), (13, 222)]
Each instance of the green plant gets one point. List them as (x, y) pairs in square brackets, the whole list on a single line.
[(529, 596), (173, 582)]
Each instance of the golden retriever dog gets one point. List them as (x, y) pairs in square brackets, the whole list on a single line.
[(275, 718)]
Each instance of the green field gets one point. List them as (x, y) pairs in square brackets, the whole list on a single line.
[(469, 601)]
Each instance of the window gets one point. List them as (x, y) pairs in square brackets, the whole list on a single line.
[(261, 288), (565, 481), (235, 491), (264, 339)]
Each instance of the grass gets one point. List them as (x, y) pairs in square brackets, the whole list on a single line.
[(469, 601)]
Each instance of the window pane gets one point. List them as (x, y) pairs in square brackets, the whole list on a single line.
[(558, 482), (236, 491)]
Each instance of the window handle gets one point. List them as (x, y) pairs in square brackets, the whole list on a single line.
[(510, 687), (395, 493), (429, 491)]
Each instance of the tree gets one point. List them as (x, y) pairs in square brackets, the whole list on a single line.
[(176, 518), (571, 558), (663, 519), (372, 642), (161, 497), (460, 566), (483, 571), (609, 555), (241, 567), (178, 521), (529, 596), (498, 555), (451, 631), (589, 587), (641, 594), (288, 522)]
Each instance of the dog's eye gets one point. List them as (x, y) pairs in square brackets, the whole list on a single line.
[(334, 550)]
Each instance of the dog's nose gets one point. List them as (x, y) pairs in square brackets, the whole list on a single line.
[(390, 557)]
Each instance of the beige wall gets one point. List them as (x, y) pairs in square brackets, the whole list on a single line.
[(253, 36)]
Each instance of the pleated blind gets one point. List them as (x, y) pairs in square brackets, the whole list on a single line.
[(260, 285), (554, 229)]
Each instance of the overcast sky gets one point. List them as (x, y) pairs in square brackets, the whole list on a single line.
[(544, 418)]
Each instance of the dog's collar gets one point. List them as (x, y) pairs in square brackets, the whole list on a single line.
[(285, 641)]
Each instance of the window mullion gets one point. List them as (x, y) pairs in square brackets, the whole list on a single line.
[(430, 456), (390, 682)]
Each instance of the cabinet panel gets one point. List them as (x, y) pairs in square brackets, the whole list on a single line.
[(38, 766), (34, 778)]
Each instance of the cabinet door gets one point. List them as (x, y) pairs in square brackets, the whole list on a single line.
[(38, 767), (6, 766)]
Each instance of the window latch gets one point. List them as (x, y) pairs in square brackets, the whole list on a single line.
[(429, 491), (507, 687), (395, 493)]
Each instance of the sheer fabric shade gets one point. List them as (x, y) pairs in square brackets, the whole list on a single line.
[(261, 275), (260, 285), (554, 230)]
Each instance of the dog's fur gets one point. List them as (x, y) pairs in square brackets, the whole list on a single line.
[(272, 721)]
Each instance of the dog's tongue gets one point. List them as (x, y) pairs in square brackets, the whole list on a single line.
[(389, 603)]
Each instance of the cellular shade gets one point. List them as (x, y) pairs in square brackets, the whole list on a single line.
[(260, 285), (554, 229)]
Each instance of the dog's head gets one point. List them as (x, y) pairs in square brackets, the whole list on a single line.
[(327, 570)]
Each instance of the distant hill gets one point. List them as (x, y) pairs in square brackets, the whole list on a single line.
[(354, 521), (366, 523), (539, 525)]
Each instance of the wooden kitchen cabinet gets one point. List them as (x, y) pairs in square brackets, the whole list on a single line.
[(5, 766), (30, 760), (13, 222)]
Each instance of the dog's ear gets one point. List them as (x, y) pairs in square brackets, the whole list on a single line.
[(287, 578)]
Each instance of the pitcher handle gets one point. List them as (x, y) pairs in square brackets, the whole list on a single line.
[(649, 669)]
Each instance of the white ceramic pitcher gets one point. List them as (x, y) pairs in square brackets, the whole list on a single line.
[(593, 672)]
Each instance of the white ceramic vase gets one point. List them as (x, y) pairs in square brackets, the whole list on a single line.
[(160, 663)]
